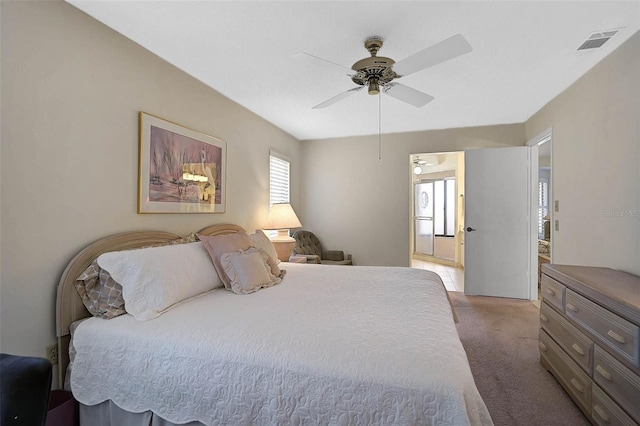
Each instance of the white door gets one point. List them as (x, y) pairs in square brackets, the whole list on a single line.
[(499, 237)]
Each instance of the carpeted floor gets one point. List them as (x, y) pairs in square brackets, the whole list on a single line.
[(500, 337)]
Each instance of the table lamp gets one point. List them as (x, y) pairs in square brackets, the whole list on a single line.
[(282, 218)]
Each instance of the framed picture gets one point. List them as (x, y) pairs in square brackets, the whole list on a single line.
[(181, 170)]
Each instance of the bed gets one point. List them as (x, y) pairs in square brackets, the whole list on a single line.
[(326, 345)]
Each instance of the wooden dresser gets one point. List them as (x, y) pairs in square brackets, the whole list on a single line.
[(590, 339)]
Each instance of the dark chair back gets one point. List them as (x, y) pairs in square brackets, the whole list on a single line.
[(307, 243), (25, 389)]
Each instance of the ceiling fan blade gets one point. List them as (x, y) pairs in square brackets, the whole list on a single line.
[(321, 62), (433, 55), (338, 97), (407, 94)]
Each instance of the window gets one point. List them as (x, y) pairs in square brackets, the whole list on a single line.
[(279, 178), (444, 207)]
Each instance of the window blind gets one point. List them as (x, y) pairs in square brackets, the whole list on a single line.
[(279, 179)]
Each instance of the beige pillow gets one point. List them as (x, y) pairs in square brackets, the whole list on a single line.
[(263, 242), (248, 270), (217, 245)]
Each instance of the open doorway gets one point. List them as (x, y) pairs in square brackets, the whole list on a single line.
[(437, 206)]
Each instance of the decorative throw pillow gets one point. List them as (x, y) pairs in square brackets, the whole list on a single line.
[(217, 245), (248, 270), (101, 295), (154, 279), (189, 238), (263, 242)]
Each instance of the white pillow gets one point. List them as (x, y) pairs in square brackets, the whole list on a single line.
[(155, 278), (260, 240), (248, 270)]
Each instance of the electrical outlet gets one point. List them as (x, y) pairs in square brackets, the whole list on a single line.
[(557, 225), (52, 353)]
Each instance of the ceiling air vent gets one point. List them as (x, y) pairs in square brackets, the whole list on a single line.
[(596, 40)]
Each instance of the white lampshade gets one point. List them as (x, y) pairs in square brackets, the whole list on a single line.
[(282, 216)]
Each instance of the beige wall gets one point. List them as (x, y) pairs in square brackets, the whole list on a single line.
[(71, 92), (596, 163), (361, 206)]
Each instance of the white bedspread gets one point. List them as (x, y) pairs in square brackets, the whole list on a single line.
[(329, 345)]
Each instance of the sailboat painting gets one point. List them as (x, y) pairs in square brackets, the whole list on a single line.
[(181, 170)]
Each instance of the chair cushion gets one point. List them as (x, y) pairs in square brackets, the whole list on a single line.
[(337, 262), (335, 255)]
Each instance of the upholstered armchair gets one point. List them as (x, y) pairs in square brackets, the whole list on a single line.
[(25, 385), (308, 245)]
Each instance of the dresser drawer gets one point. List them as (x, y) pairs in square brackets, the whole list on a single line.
[(567, 372), (618, 381), (615, 332), (605, 411), (573, 341), (553, 292)]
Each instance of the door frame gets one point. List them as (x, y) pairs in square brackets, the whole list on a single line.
[(545, 136)]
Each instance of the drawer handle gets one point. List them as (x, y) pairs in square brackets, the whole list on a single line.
[(543, 347), (572, 308), (604, 373), (576, 384), (617, 337), (550, 292), (544, 318), (577, 348), (601, 413)]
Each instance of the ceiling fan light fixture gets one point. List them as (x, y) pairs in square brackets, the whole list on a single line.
[(374, 88)]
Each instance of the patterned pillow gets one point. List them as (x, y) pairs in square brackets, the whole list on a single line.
[(101, 294)]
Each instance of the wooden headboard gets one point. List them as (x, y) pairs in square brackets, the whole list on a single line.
[(69, 306)]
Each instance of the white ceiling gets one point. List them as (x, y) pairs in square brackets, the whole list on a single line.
[(524, 54)]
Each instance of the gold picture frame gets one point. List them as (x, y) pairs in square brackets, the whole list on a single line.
[(180, 170)]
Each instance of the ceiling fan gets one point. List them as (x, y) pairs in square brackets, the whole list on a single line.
[(379, 73)]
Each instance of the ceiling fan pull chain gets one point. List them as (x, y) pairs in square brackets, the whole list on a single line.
[(379, 127)]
